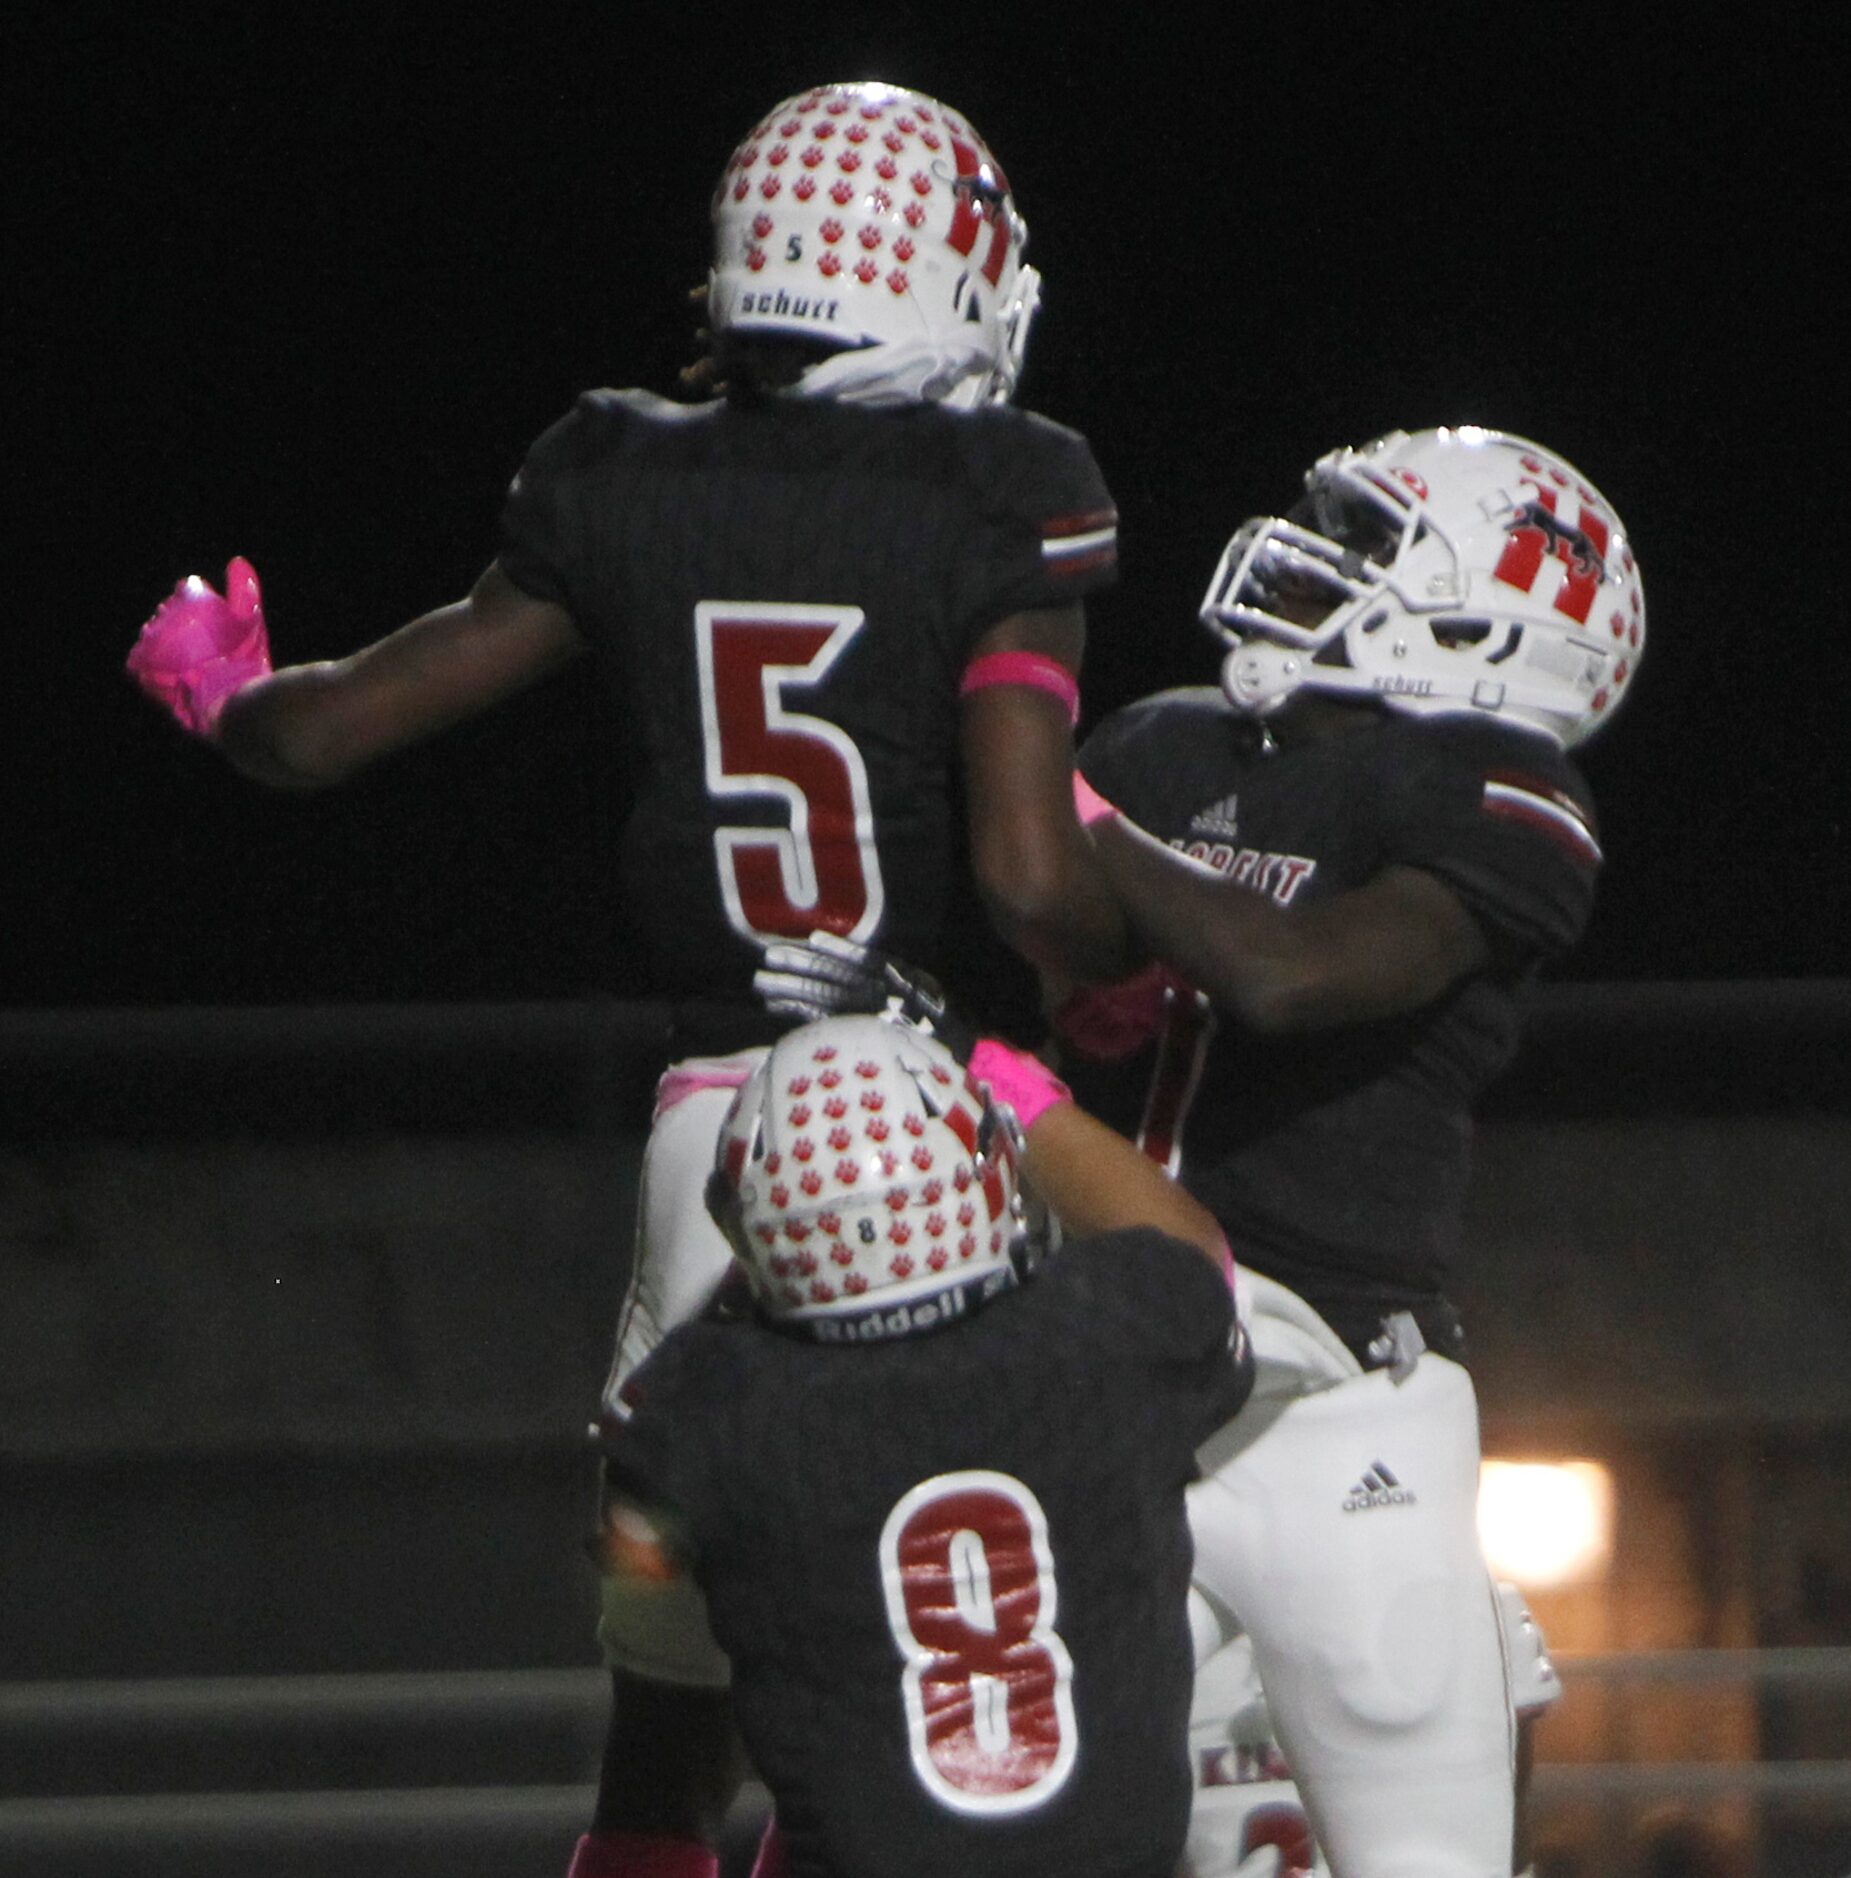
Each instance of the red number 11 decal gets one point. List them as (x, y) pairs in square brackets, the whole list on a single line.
[(822, 869)]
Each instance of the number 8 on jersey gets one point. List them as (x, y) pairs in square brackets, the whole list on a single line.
[(987, 1681)]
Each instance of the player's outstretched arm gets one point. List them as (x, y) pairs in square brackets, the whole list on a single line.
[(1391, 945), (307, 726), (1089, 1174), (1035, 867)]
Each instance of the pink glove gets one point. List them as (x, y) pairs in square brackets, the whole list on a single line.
[(200, 647), (1107, 1022)]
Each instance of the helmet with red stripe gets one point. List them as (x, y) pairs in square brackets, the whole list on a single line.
[(1446, 570), (868, 1185), (874, 223)]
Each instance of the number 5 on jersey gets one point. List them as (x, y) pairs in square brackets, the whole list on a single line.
[(987, 1681), (822, 869)]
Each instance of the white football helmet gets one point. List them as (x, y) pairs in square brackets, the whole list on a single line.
[(876, 221), (868, 1186), (1449, 570)]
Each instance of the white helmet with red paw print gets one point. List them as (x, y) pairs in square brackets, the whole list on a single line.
[(866, 1184), (1447, 570), (875, 221)]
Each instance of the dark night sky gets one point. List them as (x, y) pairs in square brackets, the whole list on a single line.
[(303, 287)]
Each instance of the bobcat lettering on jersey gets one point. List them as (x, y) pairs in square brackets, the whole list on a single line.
[(1278, 875)]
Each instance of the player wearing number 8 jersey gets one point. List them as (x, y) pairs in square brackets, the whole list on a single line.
[(932, 1487)]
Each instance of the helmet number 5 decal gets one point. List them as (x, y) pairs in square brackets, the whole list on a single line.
[(987, 1681), (820, 869)]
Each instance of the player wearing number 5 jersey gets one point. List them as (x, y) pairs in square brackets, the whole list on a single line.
[(838, 610), (932, 1487)]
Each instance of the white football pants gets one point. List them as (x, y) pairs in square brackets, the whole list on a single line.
[(1336, 1524), (679, 1256)]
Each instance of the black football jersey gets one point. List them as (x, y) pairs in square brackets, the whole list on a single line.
[(1337, 1161), (782, 593), (951, 1570)]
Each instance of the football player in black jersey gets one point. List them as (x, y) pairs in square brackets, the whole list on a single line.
[(930, 1492), (1346, 864), (838, 608)]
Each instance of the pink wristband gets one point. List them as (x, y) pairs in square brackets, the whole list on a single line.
[(1021, 1080), (1023, 668), (1088, 803)]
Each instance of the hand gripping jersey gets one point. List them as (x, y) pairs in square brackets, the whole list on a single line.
[(1337, 1163), (950, 1570), (782, 593)]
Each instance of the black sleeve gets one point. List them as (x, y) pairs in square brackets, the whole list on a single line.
[(1503, 818), (1129, 757), (664, 1453), (541, 522), (1045, 529), (1160, 1304)]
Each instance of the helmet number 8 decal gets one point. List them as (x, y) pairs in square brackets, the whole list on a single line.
[(987, 1682), (821, 870)]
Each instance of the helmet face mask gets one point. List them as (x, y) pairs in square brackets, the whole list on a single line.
[(1450, 570), (876, 221), (868, 1186)]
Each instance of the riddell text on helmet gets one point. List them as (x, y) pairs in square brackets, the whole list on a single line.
[(903, 1320)]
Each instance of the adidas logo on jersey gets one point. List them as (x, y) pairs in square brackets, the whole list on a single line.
[(1218, 819), (1378, 1487)]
